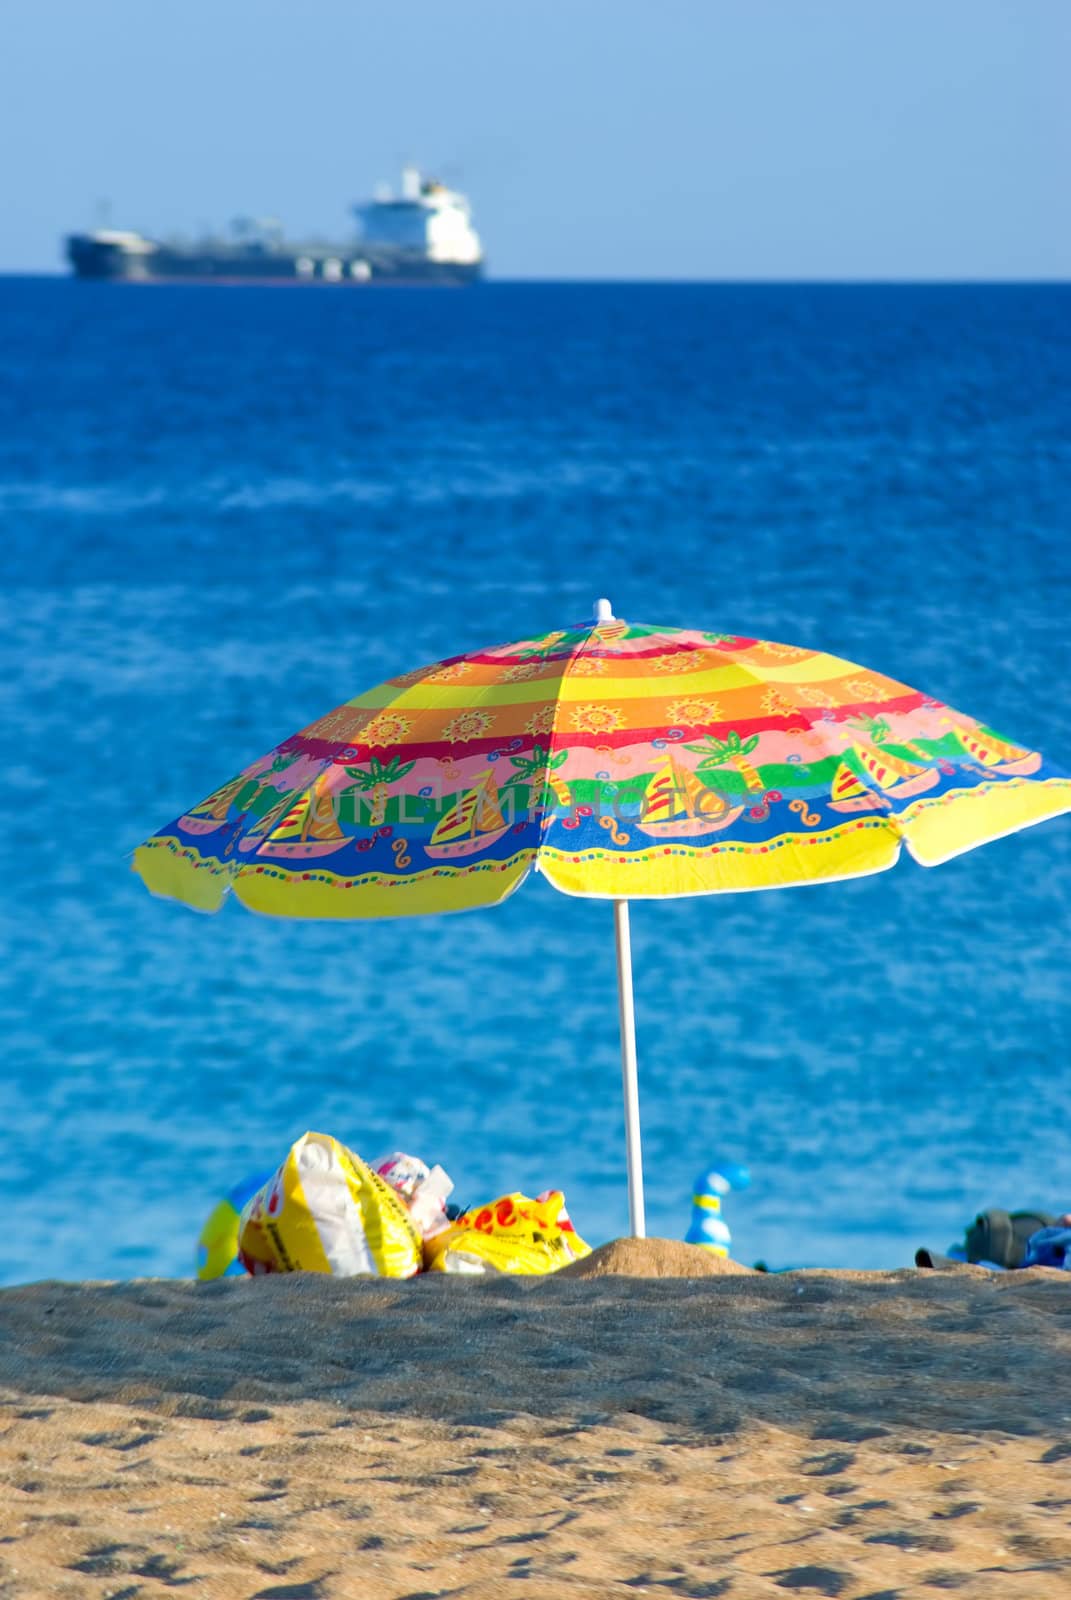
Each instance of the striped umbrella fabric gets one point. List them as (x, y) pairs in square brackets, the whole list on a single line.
[(621, 761)]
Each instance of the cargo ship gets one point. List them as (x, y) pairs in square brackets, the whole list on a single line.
[(422, 234)]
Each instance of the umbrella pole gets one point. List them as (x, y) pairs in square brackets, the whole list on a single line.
[(627, 1016)]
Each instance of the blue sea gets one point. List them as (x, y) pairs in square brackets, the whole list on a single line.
[(224, 511)]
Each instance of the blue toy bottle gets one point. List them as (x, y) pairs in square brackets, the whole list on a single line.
[(708, 1227)]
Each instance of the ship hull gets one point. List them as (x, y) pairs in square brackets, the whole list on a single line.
[(355, 268)]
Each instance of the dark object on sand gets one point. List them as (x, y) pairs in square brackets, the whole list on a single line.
[(939, 1263), (995, 1237), (1001, 1236)]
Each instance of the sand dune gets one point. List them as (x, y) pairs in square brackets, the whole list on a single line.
[(860, 1435)]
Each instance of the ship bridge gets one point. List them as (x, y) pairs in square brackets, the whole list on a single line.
[(426, 217)]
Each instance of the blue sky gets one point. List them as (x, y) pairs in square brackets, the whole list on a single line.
[(598, 138)]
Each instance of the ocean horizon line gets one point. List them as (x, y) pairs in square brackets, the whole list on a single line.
[(585, 280)]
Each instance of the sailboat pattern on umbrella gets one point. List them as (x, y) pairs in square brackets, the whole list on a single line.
[(885, 777), (212, 813), (678, 805), (1008, 760), (309, 828), (624, 759), (471, 824)]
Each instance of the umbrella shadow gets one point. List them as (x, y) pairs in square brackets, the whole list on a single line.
[(841, 1357)]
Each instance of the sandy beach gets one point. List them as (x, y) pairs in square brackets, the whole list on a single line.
[(741, 1434)]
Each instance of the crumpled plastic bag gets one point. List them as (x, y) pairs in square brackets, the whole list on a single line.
[(512, 1234), (325, 1210), (424, 1189), (1049, 1247)]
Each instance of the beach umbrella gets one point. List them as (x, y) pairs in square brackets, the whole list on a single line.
[(620, 761)]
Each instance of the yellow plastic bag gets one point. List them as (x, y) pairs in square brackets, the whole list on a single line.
[(512, 1234), (325, 1210)]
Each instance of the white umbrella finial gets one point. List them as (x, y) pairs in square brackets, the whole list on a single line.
[(604, 611)]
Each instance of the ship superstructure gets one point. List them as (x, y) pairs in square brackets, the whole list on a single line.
[(423, 234)]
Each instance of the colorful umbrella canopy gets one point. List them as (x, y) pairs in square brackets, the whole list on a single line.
[(621, 761)]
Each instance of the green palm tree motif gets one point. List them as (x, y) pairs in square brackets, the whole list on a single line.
[(279, 763), (877, 730), (538, 770), (732, 751), (540, 649), (377, 777)]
